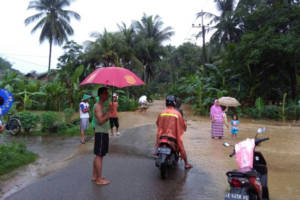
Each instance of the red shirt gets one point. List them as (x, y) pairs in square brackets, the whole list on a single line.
[(114, 105)]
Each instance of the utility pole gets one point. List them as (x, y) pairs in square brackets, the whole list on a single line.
[(203, 27)]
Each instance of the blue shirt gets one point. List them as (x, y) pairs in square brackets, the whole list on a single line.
[(234, 123), (234, 128)]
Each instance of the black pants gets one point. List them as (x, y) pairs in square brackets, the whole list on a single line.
[(114, 122), (101, 144)]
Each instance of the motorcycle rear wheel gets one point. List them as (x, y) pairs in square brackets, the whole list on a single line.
[(163, 171), (254, 197)]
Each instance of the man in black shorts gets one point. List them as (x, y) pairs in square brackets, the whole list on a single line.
[(102, 116)]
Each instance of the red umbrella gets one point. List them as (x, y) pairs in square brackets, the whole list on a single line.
[(113, 76)]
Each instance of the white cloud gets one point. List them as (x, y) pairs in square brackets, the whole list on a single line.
[(24, 51)]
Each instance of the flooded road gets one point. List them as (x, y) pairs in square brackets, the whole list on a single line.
[(282, 153), (131, 168)]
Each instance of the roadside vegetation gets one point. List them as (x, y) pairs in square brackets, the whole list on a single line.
[(14, 155)]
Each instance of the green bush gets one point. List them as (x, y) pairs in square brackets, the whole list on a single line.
[(251, 112), (28, 120), (127, 104), (13, 155), (48, 120), (68, 113), (292, 112), (271, 112)]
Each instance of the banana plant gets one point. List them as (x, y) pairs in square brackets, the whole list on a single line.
[(26, 97), (283, 107), (259, 104)]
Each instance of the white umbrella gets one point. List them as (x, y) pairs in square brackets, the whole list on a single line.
[(228, 101)]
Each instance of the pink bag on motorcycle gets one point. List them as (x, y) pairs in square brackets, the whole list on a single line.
[(244, 153)]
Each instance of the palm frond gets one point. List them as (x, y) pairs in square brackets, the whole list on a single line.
[(40, 24), (33, 18)]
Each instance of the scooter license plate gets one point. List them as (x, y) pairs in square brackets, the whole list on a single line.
[(164, 150), (236, 196)]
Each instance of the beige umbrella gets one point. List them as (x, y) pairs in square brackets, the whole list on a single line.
[(228, 101)]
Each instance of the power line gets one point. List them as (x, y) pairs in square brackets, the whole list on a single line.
[(25, 61), (5, 53)]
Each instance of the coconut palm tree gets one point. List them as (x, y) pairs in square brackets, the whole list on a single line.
[(105, 49), (149, 39), (226, 24), (53, 20)]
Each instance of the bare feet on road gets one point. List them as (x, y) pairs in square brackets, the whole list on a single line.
[(103, 182)]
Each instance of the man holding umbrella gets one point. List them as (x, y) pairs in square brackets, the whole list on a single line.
[(109, 76), (101, 115)]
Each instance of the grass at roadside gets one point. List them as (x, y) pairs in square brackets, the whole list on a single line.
[(74, 130), (14, 155), (70, 130)]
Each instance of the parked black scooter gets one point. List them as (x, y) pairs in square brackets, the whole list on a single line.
[(251, 183), (167, 156)]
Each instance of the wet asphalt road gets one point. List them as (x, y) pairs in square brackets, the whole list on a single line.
[(131, 169)]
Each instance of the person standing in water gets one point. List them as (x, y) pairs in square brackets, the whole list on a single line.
[(234, 126), (217, 121), (114, 120), (84, 109)]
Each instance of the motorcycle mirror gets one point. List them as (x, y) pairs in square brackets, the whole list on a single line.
[(261, 130), (226, 144)]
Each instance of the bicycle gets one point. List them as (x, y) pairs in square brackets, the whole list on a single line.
[(13, 125)]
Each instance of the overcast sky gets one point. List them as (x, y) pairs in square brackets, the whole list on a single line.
[(23, 50)]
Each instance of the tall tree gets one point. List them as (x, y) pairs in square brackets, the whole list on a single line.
[(149, 39), (225, 25), (105, 50), (53, 20), (268, 50)]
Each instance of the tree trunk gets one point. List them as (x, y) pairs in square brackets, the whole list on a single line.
[(50, 52), (294, 84)]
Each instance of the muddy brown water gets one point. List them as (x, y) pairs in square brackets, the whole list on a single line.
[(208, 155)]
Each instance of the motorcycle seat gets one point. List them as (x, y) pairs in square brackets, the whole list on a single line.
[(171, 142), (245, 172), (169, 138)]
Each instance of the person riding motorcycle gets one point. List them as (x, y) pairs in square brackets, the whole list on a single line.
[(171, 125)]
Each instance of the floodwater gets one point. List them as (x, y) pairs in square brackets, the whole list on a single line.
[(207, 180), (282, 153)]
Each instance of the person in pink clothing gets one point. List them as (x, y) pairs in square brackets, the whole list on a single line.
[(217, 121)]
